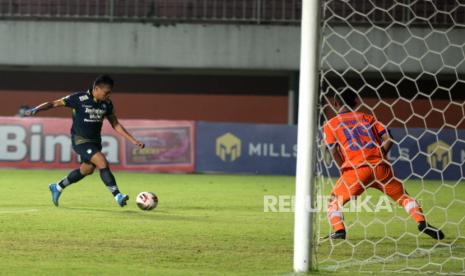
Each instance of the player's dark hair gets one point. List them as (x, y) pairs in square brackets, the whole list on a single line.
[(104, 80), (346, 96)]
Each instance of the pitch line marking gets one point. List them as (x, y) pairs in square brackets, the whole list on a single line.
[(18, 211)]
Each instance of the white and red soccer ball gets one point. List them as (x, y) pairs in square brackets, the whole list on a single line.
[(147, 201)]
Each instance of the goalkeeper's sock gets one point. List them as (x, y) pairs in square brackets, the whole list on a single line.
[(337, 223), (335, 216), (73, 177), (413, 209), (109, 179), (431, 231)]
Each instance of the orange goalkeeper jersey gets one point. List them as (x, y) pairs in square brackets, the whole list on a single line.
[(358, 136)]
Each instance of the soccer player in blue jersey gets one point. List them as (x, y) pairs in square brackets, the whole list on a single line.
[(89, 110)]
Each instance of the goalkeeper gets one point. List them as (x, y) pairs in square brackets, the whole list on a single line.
[(359, 145), (89, 110)]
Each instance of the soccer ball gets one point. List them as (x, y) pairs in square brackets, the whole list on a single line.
[(147, 201)]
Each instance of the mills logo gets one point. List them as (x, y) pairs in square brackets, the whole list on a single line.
[(440, 155), (228, 147)]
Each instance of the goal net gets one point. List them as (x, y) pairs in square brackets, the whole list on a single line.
[(406, 61)]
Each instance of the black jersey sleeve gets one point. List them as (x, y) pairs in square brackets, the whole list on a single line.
[(72, 100)]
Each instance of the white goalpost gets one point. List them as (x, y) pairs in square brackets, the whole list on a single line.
[(307, 131)]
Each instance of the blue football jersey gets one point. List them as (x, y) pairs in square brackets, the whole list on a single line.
[(88, 116)]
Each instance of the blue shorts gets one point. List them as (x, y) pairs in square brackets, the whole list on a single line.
[(87, 150)]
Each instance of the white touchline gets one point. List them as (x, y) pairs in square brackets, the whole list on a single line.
[(18, 211)]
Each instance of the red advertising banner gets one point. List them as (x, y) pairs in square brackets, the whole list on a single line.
[(46, 143)]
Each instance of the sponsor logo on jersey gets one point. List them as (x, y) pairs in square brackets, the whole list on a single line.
[(83, 98), (94, 114)]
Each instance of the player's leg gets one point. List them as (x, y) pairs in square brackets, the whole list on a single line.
[(99, 160), (337, 199), (392, 187), (348, 186), (74, 176)]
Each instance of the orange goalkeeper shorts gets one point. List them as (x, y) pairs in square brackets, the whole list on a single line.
[(353, 182)]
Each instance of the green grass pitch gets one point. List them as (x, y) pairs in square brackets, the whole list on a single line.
[(204, 225)]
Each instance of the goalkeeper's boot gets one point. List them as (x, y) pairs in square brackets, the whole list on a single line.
[(121, 199), (431, 231), (55, 193), (338, 235)]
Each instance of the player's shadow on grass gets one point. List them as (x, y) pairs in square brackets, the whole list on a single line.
[(155, 215)]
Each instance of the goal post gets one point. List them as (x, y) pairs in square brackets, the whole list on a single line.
[(307, 131)]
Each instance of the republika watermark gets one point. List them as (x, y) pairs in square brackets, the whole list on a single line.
[(366, 203)]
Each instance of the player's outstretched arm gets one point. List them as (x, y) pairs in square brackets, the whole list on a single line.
[(123, 132), (44, 106)]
